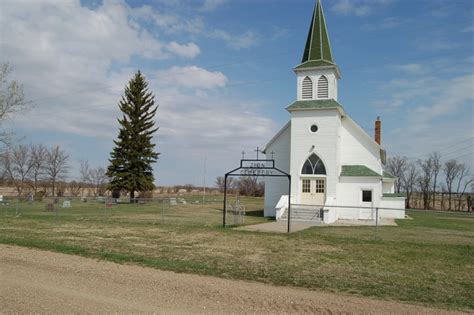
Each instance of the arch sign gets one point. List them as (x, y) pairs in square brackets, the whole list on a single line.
[(257, 168)]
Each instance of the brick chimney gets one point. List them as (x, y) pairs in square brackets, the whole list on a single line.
[(378, 131)]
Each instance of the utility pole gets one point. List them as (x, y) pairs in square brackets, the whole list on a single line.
[(204, 181)]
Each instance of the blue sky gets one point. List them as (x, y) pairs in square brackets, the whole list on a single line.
[(222, 74)]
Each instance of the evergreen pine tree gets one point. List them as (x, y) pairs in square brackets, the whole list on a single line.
[(131, 159)]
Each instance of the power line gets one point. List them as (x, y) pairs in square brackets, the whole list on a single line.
[(443, 149), (461, 156)]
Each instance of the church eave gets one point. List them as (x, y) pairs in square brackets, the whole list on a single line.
[(320, 104), (308, 67), (279, 133)]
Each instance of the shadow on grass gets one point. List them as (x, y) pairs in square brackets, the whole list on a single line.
[(254, 213)]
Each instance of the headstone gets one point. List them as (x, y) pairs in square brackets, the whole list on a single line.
[(84, 199), (66, 204), (173, 202)]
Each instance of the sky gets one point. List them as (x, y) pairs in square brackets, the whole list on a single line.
[(221, 72)]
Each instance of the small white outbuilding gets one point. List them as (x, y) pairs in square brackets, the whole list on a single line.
[(334, 164)]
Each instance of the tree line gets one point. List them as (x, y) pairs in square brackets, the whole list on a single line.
[(35, 169), (244, 186), (440, 185), (27, 167)]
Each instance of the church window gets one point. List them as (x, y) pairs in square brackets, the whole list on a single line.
[(366, 195), (323, 87), (320, 186), (307, 89), (313, 128), (306, 185), (313, 166)]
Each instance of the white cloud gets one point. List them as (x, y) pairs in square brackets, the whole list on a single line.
[(410, 69), (452, 95), (385, 24), (209, 5), (190, 50), (245, 40), (75, 61), (192, 77), (468, 29), (358, 7)]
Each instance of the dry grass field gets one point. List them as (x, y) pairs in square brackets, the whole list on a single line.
[(426, 260)]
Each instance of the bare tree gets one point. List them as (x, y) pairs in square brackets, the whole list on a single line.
[(56, 165), (425, 180), (95, 177), (17, 166), (99, 179), (462, 183), (409, 179), (38, 161), (220, 184), (397, 166), (12, 98), (436, 165), (250, 186), (451, 171), (75, 188)]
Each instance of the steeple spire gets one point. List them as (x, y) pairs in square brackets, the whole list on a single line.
[(318, 47)]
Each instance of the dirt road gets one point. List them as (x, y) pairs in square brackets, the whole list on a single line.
[(44, 282)]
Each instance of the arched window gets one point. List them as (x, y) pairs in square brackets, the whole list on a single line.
[(307, 89), (323, 87), (313, 166)]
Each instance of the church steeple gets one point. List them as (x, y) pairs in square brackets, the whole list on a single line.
[(317, 51), (317, 74), (317, 45)]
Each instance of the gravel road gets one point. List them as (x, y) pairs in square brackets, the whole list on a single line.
[(34, 281)]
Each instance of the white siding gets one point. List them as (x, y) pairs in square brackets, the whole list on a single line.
[(275, 187), (357, 148), (324, 142), (350, 195), (388, 188)]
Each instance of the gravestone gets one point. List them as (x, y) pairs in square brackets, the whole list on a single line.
[(66, 204), (173, 202)]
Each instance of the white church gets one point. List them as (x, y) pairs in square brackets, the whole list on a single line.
[(336, 168)]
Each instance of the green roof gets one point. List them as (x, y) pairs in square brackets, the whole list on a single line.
[(395, 195), (315, 63), (318, 47), (388, 175), (315, 104), (358, 170)]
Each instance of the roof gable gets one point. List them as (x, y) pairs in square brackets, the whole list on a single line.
[(358, 171), (275, 137)]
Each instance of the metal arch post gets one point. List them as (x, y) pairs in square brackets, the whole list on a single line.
[(289, 202), (225, 200)]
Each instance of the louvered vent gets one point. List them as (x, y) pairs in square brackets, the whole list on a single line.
[(323, 87), (307, 89)]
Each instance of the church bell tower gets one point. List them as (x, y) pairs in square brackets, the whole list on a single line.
[(317, 75)]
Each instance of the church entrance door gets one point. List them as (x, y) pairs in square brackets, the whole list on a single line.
[(313, 191)]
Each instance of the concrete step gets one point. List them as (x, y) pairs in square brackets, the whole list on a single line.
[(308, 213)]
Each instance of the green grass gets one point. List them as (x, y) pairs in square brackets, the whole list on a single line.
[(428, 259)]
